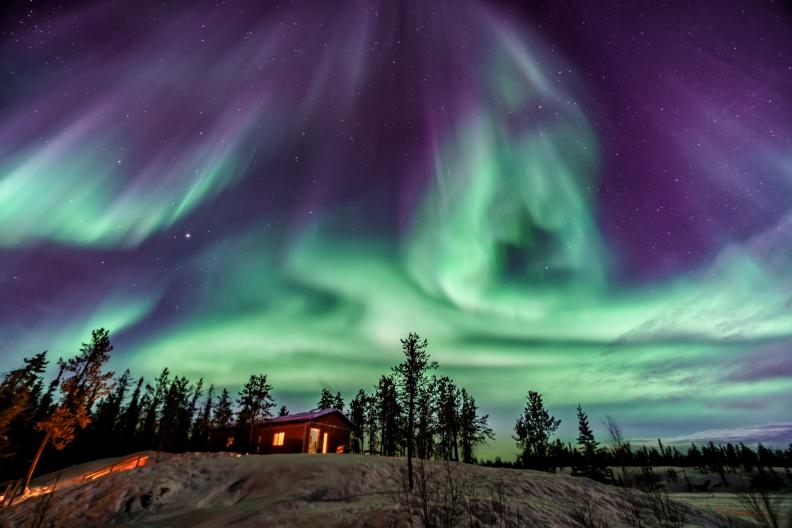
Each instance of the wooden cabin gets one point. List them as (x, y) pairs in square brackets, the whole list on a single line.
[(322, 431)]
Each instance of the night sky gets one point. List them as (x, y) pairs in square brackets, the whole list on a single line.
[(587, 199)]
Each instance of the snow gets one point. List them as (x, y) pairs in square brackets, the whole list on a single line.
[(214, 489)]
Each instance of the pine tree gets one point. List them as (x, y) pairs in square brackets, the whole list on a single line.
[(533, 430), (172, 432), (202, 424), (338, 402), (412, 377), (151, 402), (103, 439), (47, 404), (326, 400), (589, 464), (448, 410), (283, 411), (426, 419), (85, 382), (372, 423), (20, 393), (357, 413), (224, 410), (130, 418), (473, 428), (187, 416), (388, 415), (255, 401)]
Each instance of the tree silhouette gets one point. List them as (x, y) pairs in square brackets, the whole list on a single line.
[(448, 410), (412, 374), (84, 383), (533, 430), (255, 401), (326, 400), (589, 465), (357, 413), (103, 429), (202, 425), (338, 402), (130, 418), (19, 394), (224, 410), (473, 428), (426, 419), (389, 415)]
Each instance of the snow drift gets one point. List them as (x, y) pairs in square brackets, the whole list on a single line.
[(216, 489)]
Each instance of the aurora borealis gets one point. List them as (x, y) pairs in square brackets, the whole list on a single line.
[(592, 201)]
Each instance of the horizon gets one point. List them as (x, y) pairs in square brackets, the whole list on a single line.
[(595, 204)]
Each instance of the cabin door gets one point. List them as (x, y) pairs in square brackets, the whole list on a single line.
[(324, 443), (313, 440)]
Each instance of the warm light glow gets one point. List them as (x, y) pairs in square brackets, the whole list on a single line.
[(324, 443), (313, 441), (277, 440), (124, 465), (229, 441)]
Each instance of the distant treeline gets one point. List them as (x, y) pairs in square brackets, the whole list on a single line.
[(717, 458), (86, 413)]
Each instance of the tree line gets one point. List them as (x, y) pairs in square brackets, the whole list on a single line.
[(87, 412), (535, 427)]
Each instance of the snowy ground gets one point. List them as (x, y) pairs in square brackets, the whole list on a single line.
[(216, 489)]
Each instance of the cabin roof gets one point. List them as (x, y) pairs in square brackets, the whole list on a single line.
[(306, 417)]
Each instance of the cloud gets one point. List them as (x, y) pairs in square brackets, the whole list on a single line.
[(769, 362), (773, 434)]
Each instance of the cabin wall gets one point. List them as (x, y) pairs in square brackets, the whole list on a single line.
[(296, 437), (292, 438), (337, 432)]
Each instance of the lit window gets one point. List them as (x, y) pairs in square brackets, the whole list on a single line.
[(229, 441), (277, 439)]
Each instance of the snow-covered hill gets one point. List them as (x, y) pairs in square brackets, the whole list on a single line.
[(217, 489)]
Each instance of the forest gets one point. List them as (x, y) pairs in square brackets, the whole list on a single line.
[(87, 412)]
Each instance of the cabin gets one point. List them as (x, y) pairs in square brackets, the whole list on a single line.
[(322, 431)]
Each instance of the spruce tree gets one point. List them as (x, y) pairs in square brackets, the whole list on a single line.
[(533, 430), (473, 427), (172, 431), (589, 465), (130, 418), (224, 411), (412, 377), (326, 400), (357, 413), (426, 419), (389, 415), (20, 394), (448, 410), (151, 402), (372, 423), (103, 434), (255, 401), (202, 424), (338, 402)]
